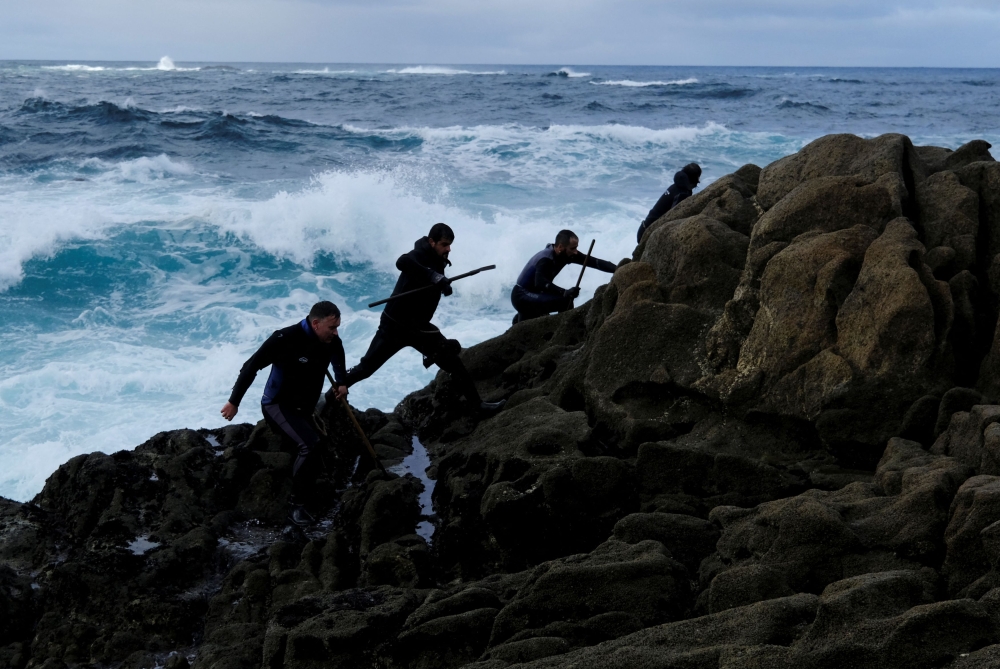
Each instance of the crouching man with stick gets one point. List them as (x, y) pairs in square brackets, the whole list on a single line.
[(535, 294), (298, 356)]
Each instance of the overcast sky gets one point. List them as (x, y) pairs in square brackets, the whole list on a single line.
[(957, 33)]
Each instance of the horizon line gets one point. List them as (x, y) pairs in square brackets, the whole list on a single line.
[(71, 61)]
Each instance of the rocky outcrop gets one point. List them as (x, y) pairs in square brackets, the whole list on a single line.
[(771, 440)]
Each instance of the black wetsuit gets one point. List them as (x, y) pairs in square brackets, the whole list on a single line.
[(407, 322), (298, 360), (680, 190), (535, 294)]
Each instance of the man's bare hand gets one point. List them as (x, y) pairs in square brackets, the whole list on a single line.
[(340, 392), (229, 411)]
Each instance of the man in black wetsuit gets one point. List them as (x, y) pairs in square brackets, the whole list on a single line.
[(535, 294), (685, 182), (298, 356), (406, 321)]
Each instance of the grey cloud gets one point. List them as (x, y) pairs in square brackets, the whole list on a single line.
[(711, 32)]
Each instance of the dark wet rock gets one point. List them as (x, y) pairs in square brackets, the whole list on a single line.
[(447, 641), (698, 642), (973, 438), (689, 539), (820, 537), (584, 599), (345, 629), (640, 359), (938, 159), (836, 156), (920, 419), (687, 472), (770, 440), (697, 260), (519, 490), (971, 538)]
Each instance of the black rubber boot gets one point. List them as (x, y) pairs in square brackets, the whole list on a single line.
[(490, 408), (299, 516)]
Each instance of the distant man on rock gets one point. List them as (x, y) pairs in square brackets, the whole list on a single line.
[(298, 356), (406, 321), (684, 184), (535, 294)]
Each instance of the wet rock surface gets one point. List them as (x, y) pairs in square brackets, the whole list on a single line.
[(771, 440)]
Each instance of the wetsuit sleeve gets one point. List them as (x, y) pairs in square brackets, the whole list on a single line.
[(265, 355), (661, 207), (407, 264), (337, 361), (596, 263), (545, 274)]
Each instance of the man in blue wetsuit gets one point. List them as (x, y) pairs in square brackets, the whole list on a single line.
[(685, 181), (298, 356), (406, 321), (535, 294)]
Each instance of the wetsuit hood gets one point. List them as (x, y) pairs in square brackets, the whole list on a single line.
[(683, 181), (416, 271), (424, 249)]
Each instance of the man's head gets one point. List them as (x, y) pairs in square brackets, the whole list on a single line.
[(324, 319), (566, 243), (441, 236), (693, 170)]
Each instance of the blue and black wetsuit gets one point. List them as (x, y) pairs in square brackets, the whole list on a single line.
[(407, 322), (535, 294), (298, 360), (681, 189)]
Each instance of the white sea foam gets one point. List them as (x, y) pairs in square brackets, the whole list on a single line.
[(435, 69), (325, 70), (643, 84), (40, 219), (76, 68), (559, 156), (145, 169), (165, 64), (180, 109), (567, 72)]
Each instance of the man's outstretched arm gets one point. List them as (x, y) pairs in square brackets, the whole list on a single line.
[(596, 263), (263, 357)]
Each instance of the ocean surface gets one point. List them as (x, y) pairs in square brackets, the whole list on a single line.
[(159, 220)]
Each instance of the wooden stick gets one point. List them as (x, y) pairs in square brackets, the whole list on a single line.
[(357, 426), (586, 260), (433, 285)]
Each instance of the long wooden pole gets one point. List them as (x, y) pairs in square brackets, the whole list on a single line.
[(417, 290), (357, 426), (586, 260)]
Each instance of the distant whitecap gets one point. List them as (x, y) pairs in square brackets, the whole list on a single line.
[(567, 72), (643, 84), (434, 69)]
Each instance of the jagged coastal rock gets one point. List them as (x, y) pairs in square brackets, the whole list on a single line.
[(772, 440)]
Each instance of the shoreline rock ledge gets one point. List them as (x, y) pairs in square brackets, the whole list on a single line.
[(771, 440)]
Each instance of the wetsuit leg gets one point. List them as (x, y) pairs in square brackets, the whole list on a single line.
[(299, 429), (533, 305), (384, 345), (445, 354)]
